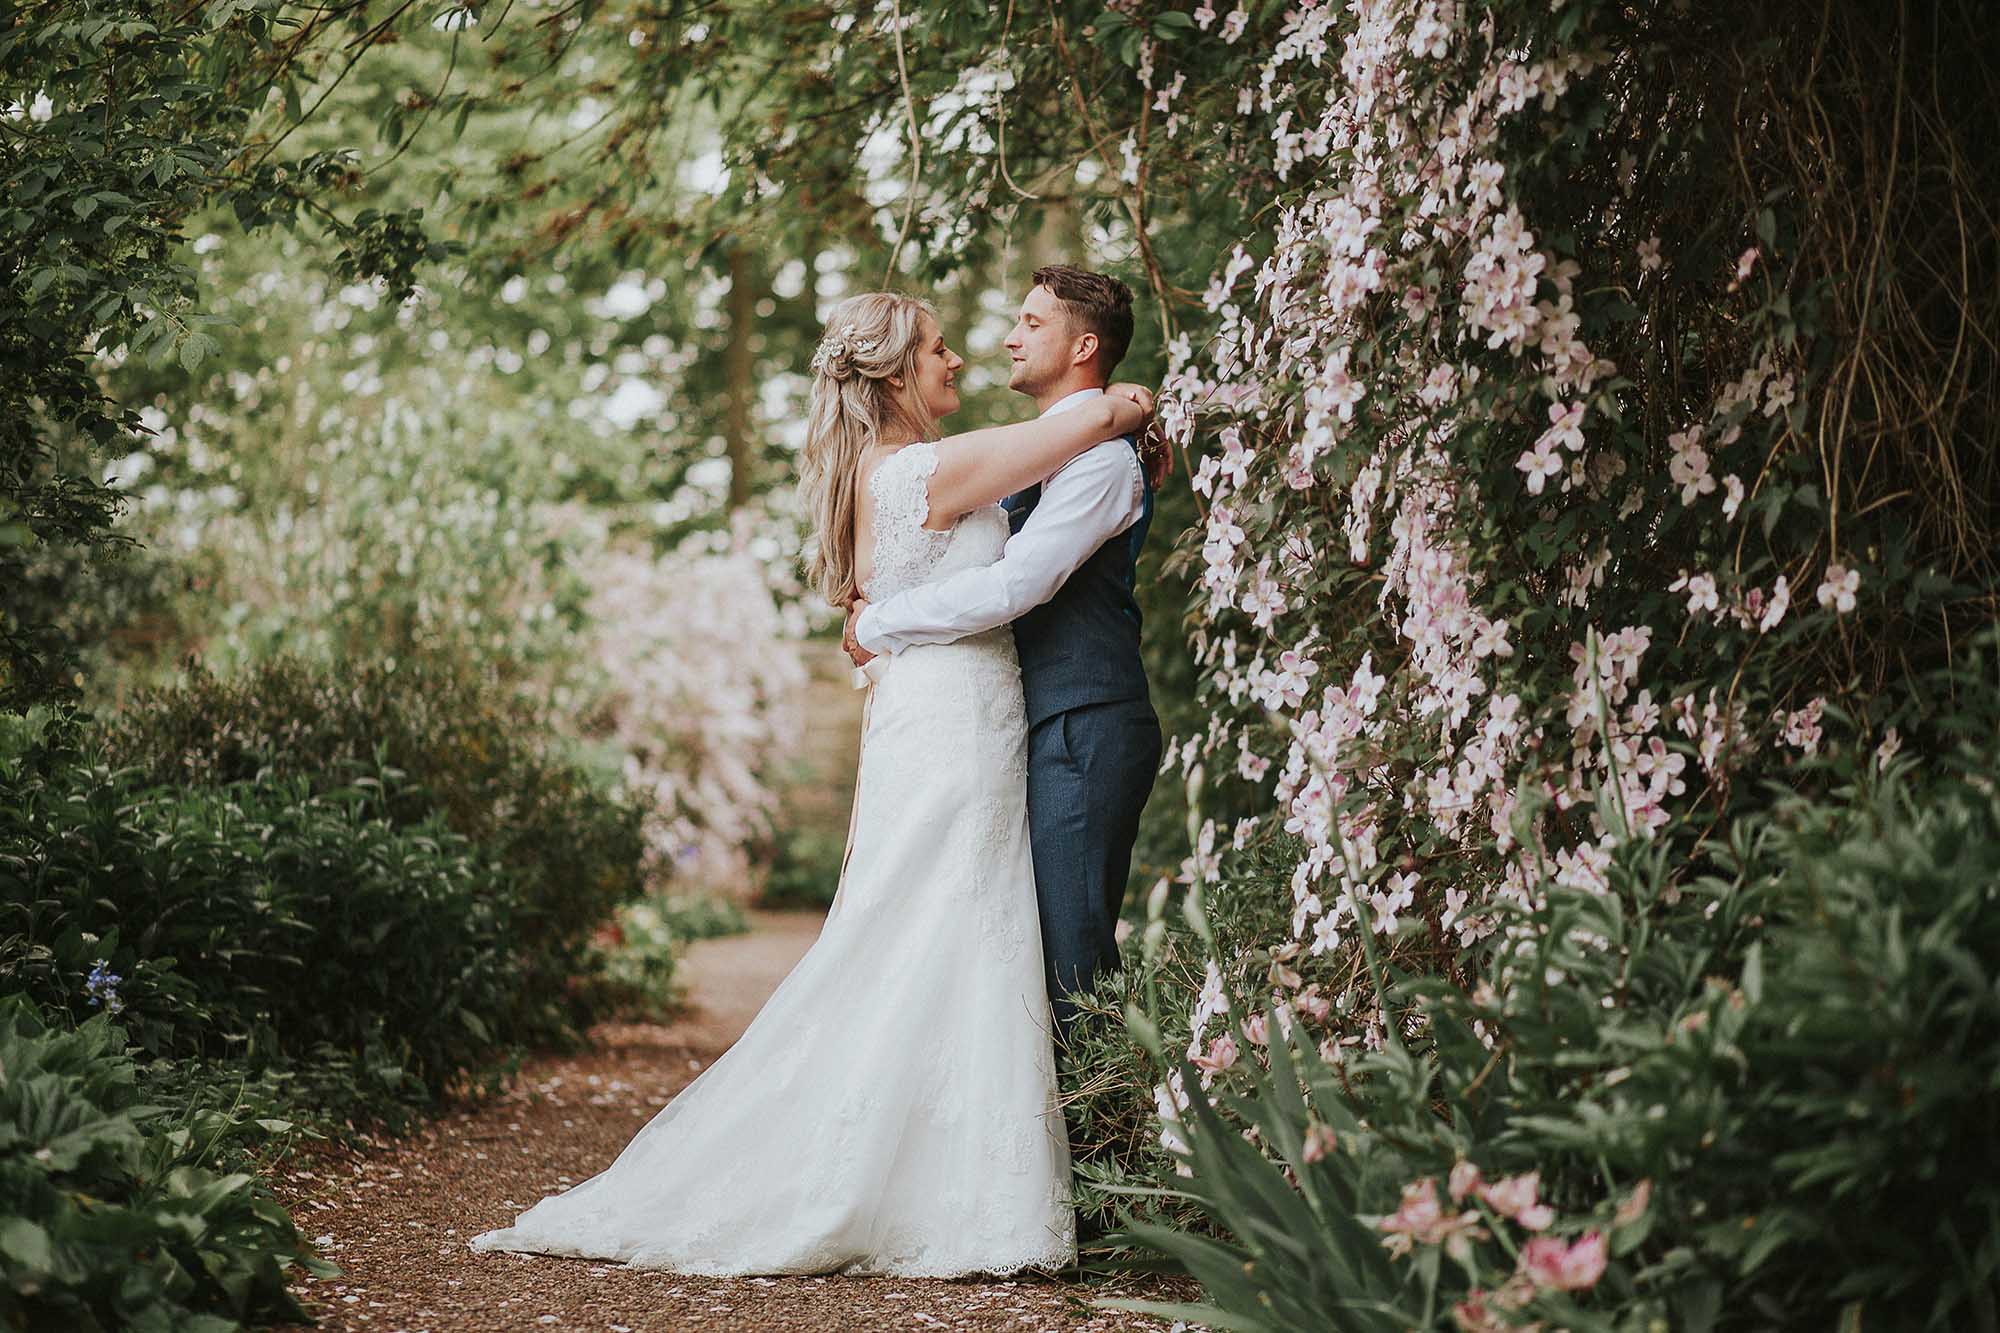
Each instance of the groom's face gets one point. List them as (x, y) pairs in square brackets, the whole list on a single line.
[(1042, 344)]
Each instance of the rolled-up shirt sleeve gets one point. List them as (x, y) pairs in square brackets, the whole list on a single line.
[(1090, 500)]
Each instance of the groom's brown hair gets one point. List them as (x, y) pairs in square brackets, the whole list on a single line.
[(1095, 303)]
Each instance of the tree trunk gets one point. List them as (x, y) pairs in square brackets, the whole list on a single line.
[(1057, 231), (738, 369)]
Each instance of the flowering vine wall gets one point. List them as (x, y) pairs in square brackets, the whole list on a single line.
[(1574, 492), (1525, 535)]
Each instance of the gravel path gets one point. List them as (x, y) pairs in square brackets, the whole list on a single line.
[(397, 1214)]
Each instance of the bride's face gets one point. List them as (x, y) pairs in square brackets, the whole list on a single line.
[(936, 374)]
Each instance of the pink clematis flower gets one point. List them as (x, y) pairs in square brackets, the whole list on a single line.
[(1490, 639), (1837, 591), (1781, 601), (1540, 463), (1744, 263), (1565, 426)]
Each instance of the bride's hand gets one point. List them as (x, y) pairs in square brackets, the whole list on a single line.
[(1139, 397), (860, 656)]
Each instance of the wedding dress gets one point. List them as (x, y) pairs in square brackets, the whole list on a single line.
[(891, 1110)]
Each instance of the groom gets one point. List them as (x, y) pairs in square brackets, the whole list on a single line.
[(1065, 583)]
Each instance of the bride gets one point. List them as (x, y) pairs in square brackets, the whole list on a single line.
[(891, 1110)]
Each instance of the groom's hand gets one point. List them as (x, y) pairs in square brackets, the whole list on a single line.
[(860, 656)]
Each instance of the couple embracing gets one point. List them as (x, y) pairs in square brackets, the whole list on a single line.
[(892, 1109)]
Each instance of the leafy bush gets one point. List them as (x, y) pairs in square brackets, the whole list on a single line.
[(805, 868), (470, 753), (635, 953), (108, 1217), (1109, 1081), (1105, 1081), (263, 920), (1761, 1096), (701, 916), (633, 961), (373, 525)]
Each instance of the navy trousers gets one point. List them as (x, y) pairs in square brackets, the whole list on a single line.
[(1090, 771)]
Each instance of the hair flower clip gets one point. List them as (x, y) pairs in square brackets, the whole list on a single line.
[(837, 349)]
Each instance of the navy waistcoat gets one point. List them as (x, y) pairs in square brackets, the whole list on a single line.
[(1082, 645)]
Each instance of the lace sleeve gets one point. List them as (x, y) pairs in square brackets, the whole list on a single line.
[(905, 550)]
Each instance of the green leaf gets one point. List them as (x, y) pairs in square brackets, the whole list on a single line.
[(1208, 1316), (1141, 1026), (26, 1245)]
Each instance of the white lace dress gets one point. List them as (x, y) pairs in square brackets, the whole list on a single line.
[(892, 1108)]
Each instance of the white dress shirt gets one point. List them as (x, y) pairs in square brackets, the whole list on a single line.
[(1088, 501)]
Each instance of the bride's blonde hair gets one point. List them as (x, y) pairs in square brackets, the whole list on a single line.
[(869, 339)]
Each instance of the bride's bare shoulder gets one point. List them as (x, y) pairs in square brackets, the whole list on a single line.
[(911, 457), (871, 460)]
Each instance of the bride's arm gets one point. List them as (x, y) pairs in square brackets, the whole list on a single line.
[(979, 467)]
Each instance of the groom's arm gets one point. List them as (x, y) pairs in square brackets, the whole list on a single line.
[(1084, 505)]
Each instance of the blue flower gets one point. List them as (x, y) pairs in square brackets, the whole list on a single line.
[(102, 987)]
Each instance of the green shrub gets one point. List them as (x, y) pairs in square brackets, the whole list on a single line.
[(805, 869), (264, 921), (471, 752), (1769, 1090), (108, 1217), (633, 960), (1107, 1079), (635, 954), (704, 916)]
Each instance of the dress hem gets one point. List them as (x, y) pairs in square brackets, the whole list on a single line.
[(1009, 1267)]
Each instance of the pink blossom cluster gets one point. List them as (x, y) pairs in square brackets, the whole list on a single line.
[(701, 685)]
